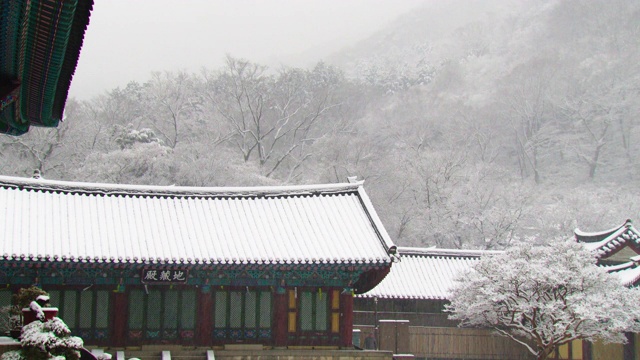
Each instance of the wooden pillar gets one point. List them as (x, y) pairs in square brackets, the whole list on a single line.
[(281, 314), (587, 350), (119, 316), (629, 349), (346, 333), (204, 320)]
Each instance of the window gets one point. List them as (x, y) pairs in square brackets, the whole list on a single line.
[(85, 311), (313, 310), (5, 297), (242, 314), (5, 304), (162, 314), (313, 316)]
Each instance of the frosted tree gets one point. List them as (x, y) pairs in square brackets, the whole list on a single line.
[(545, 296)]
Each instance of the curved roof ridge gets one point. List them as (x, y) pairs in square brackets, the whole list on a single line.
[(611, 241), (619, 267), (164, 190), (628, 272), (388, 243), (595, 236), (629, 276)]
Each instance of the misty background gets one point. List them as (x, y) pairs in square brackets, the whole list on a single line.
[(473, 123)]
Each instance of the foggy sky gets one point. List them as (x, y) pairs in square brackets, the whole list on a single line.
[(126, 40)]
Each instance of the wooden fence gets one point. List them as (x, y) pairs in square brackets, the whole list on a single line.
[(457, 343), (434, 337), (601, 351), (434, 343)]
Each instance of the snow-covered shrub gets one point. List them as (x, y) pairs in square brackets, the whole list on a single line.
[(46, 340)]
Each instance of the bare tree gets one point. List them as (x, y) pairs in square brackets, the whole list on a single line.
[(172, 99), (272, 117), (530, 111)]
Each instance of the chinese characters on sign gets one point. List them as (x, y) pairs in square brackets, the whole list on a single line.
[(164, 276)]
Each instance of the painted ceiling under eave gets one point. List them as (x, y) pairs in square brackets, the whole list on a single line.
[(40, 42)]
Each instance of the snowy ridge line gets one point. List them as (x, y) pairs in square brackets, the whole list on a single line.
[(619, 267), (628, 272), (628, 276), (432, 251), (606, 233), (159, 191), (375, 220)]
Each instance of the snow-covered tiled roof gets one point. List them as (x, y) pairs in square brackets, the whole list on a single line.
[(629, 276), (425, 273), (44, 220), (609, 242), (628, 272)]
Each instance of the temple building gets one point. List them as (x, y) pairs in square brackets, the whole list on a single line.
[(405, 312), (618, 250), (133, 265)]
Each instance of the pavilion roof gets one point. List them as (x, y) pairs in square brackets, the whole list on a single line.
[(607, 243), (628, 272), (40, 43), (44, 220), (425, 273)]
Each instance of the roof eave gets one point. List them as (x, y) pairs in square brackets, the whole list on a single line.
[(154, 190)]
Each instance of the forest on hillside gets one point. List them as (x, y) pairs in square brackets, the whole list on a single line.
[(517, 120)]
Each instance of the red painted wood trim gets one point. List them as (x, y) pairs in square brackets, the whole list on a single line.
[(119, 317), (204, 319), (280, 319), (346, 323)]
